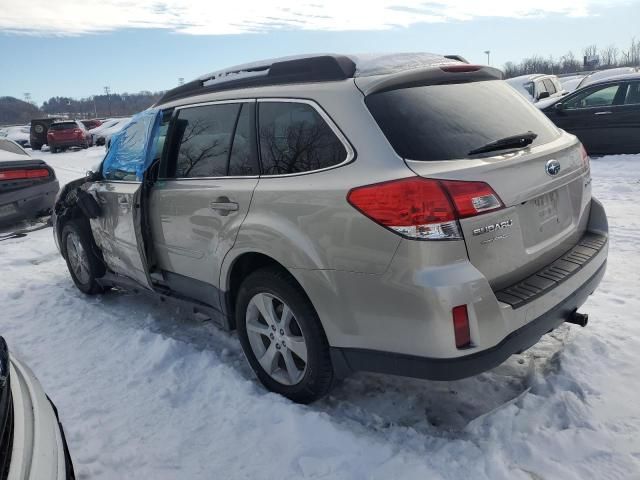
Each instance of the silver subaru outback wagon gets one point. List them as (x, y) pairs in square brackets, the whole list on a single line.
[(405, 214)]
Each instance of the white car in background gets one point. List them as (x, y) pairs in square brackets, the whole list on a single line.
[(17, 133), (571, 82), (605, 74), (538, 86), (102, 134)]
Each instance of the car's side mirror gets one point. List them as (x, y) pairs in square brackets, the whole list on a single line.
[(559, 106), (543, 95)]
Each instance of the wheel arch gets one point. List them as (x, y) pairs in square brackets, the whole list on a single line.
[(238, 268)]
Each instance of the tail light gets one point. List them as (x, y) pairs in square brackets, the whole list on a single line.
[(585, 157), (24, 174), (422, 208), (461, 326)]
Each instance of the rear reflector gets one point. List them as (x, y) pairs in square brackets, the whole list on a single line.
[(24, 174), (423, 208), (461, 326)]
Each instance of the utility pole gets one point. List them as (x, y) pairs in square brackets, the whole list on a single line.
[(488, 54), (107, 91)]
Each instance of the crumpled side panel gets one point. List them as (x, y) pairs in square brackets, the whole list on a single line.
[(133, 149)]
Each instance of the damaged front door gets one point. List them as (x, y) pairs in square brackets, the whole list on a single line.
[(118, 228)]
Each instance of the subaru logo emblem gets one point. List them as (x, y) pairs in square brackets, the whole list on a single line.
[(552, 167)]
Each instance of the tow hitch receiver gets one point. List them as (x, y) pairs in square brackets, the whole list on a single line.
[(578, 318)]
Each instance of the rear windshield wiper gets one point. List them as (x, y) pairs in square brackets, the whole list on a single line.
[(515, 141)]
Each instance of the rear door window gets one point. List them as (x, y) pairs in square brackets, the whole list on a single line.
[(446, 122), (294, 138), (203, 136)]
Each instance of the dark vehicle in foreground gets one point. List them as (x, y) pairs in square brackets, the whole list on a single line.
[(329, 209), (32, 440), (28, 187), (69, 133), (38, 132), (604, 115)]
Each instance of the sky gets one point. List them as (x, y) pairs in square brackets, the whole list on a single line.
[(76, 48)]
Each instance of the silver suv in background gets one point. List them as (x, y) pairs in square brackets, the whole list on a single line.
[(408, 214), (537, 86)]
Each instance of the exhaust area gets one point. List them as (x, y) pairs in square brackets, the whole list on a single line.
[(578, 318)]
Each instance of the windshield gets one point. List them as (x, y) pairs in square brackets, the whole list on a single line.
[(446, 122)]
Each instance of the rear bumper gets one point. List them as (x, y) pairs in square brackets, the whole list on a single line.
[(347, 360), (401, 321), (28, 202), (68, 143)]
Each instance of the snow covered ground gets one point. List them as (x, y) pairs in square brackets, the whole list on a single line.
[(145, 392)]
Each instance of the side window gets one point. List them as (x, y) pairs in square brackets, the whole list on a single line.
[(601, 97), (530, 87), (540, 87), (294, 138), (244, 159), (203, 137), (549, 86), (633, 94)]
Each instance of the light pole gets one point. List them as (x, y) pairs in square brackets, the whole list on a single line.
[(488, 54), (107, 90)]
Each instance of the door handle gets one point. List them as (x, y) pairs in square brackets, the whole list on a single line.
[(602, 113), (223, 206)]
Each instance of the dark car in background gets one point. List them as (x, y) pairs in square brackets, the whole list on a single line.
[(32, 441), (604, 115), (38, 133), (68, 133), (28, 187), (92, 123)]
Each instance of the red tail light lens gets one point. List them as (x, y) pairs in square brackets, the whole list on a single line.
[(423, 208), (461, 326), (472, 198), (413, 207), (585, 157), (23, 174)]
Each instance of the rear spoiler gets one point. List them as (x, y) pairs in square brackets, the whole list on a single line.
[(438, 75)]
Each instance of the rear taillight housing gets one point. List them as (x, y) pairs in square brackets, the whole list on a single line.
[(423, 208), (24, 174), (585, 158)]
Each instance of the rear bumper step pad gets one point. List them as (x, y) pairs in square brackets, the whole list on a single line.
[(529, 289)]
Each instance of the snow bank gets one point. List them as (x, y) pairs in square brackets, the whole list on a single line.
[(146, 392)]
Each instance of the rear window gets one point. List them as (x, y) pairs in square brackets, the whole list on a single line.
[(446, 122), (63, 126)]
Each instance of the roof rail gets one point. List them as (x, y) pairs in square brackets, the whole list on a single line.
[(320, 68)]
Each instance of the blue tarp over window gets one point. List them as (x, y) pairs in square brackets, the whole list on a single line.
[(133, 148)]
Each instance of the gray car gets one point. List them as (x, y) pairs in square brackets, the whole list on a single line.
[(406, 214)]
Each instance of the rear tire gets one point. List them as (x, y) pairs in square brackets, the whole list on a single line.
[(282, 336), (53, 150), (84, 265)]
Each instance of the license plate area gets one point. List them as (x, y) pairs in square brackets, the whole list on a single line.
[(545, 216)]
